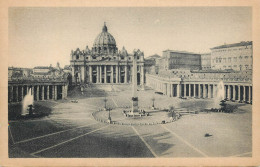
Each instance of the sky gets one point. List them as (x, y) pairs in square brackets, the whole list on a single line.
[(44, 36)]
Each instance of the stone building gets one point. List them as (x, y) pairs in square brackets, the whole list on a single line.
[(104, 63), (19, 72), (236, 56), (172, 59), (206, 61)]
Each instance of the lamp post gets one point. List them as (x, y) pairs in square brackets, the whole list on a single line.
[(153, 99), (109, 116), (105, 100)]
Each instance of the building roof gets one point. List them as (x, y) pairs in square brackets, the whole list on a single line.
[(42, 67), (242, 43), (177, 51), (155, 56)]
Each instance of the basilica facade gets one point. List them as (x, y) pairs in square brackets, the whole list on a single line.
[(104, 63)]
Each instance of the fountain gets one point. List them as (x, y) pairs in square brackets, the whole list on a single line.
[(220, 94), (27, 106)]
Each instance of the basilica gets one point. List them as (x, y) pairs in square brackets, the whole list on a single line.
[(104, 63)]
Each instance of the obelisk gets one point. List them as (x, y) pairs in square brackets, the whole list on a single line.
[(134, 85)]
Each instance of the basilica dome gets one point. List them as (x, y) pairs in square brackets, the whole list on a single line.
[(104, 39)]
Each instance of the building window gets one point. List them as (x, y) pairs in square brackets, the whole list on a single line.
[(77, 56), (235, 59)]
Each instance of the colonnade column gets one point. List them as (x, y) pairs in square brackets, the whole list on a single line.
[(119, 74), (244, 93), (234, 92), (100, 74), (12, 94), (204, 91), (184, 85), (209, 91), (199, 91), (142, 74), (249, 93), (171, 88), (82, 74), (22, 93), (16, 94), (53, 92), (48, 93), (97, 74), (42, 92), (90, 74), (37, 92), (73, 71), (228, 92), (63, 91), (112, 74), (189, 90), (239, 95), (194, 90), (178, 90), (125, 74), (105, 74), (116, 73)]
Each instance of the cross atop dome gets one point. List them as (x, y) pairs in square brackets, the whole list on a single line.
[(104, 27)]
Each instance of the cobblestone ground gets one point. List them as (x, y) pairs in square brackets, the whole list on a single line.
[(71, 131)]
